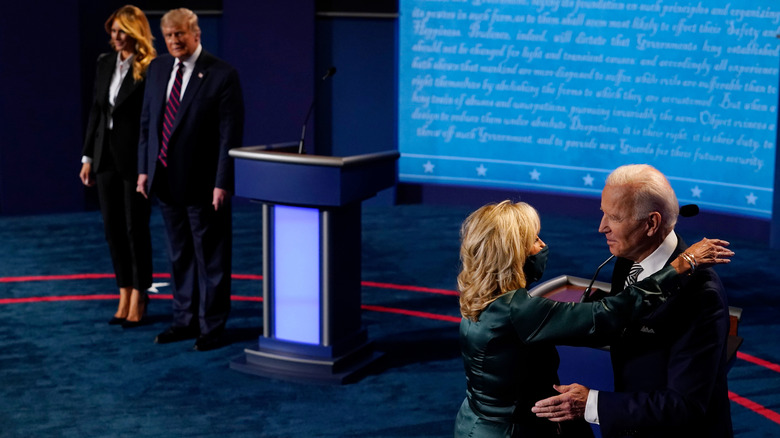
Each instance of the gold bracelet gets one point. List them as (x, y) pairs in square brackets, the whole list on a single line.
[(690, 259), (693, 259)]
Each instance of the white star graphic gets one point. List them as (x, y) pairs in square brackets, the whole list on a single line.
[(534, 175), (588, 180), (154, 287), (428, 167), (751, 199), (481, 170), (696, 192)]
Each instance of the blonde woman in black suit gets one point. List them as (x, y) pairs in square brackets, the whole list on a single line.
[(109, 158)]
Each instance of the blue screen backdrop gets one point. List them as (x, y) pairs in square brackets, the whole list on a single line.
[(552, 95)]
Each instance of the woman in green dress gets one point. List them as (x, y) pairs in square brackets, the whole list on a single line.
[(508, 338)]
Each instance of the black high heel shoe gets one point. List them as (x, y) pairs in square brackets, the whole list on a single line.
[(142, 320), (116, 321)]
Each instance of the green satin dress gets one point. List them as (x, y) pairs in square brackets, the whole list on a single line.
[(511, 361)]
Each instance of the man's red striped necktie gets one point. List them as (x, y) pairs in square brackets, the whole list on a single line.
[(171, 108)]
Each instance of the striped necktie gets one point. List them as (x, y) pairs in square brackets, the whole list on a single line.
[(633, 274), (171, 108)]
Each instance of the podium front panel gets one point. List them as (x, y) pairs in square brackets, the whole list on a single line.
[(296, 277), (285, 184)]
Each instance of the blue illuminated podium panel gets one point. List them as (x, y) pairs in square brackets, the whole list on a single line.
[(311, 229), (296, 241)]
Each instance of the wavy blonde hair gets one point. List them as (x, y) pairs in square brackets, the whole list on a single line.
[(133, 22), (495, 242)]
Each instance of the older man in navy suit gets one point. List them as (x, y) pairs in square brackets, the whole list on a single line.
[(670, 368), (193, 113)]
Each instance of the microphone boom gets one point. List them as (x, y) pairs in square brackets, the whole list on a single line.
[(586, 294), (330, 72)]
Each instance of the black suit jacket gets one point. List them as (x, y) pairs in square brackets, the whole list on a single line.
[(209, 122), (122, 149), (670, 368)]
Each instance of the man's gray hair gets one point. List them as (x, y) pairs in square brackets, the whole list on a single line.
[(651, 192)]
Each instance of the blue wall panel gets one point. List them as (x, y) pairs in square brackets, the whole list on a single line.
[(40, 132)]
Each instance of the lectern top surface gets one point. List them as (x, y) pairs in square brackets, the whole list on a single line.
[(283, 154)]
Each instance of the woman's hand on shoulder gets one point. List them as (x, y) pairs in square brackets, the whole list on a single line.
[(703, 254)]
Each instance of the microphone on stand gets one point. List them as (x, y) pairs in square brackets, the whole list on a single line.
[(331, 71), (586, 294)]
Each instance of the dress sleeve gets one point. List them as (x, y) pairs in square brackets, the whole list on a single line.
[(231, 129), (88, 149), (541, 320)]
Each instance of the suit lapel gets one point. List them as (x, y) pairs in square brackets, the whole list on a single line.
[(104, 77), (126, 89), (620, 272), (160, 85)]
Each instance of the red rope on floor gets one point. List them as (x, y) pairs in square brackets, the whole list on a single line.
[(411, 313), (755, 407), (756, 361), (234, 276), (409, 288)]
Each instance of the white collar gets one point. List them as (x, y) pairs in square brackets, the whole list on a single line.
[(123, 64), (657, 260)]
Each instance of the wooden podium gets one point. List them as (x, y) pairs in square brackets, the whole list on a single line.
[(311, 230)]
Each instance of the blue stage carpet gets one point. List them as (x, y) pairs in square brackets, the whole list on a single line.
[(66, 373)]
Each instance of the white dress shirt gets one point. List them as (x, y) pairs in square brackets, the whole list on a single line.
[(120, 71)]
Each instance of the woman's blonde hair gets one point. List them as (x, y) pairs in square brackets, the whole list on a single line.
[(495, 242), (133, 22)]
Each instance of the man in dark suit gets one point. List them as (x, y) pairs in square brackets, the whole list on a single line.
[(669, 368), (193, 113)]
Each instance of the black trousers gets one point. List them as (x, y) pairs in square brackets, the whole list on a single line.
[(200, 245), (126, 222)]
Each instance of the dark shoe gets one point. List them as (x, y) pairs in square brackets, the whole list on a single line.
[(132, 324), (116, 321), (175, 334), (208, 342)]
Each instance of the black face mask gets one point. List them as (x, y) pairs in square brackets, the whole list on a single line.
[(534, 265)]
